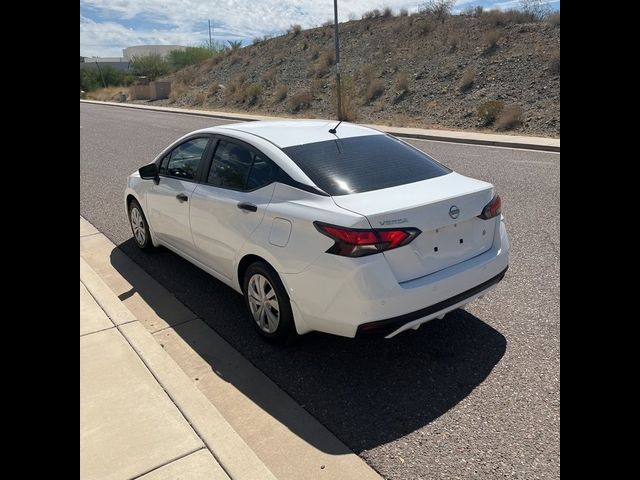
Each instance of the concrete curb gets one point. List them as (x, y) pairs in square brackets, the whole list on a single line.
[(228, 448), (472, 138)]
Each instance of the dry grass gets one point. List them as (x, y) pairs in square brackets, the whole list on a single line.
[(315, 53), (468, 77), (109, 94), (509, 118), (281, 92), (323, 65), (300, 101)]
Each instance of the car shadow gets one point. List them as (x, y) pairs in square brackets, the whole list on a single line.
[(368, 392)]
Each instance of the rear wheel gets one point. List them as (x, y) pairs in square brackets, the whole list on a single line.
[(139, 226), (268, 304)]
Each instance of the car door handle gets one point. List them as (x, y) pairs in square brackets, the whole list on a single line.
[(249, 207), (182, 197)]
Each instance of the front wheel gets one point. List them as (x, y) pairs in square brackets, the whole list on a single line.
[(268, 304), (139, 226)]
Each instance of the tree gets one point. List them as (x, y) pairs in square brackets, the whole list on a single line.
[(536, 8), (438, 8)]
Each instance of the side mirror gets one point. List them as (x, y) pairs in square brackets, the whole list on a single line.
[(149, 172)]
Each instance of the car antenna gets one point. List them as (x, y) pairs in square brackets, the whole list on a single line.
[(333, 130)]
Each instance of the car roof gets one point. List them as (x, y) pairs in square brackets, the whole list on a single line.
[(287, 133)]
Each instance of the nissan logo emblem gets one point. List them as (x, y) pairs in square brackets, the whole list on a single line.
[(454, 212)]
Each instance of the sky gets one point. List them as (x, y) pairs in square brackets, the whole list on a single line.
[(108, 26)]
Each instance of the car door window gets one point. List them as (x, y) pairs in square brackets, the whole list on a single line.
[(263, 172), (230, 166), (186, 157)]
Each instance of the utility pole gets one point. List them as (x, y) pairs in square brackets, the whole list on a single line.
[(337, 38), (210, 42)]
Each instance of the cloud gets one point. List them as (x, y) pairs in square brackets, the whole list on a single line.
[(108, 26)]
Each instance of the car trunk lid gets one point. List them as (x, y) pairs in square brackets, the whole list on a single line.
[(444, 208)]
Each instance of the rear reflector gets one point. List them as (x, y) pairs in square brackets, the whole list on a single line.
[(492, 209), (352, 242)]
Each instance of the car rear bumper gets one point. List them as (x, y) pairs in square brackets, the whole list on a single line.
[(392, 326), (349, 296)]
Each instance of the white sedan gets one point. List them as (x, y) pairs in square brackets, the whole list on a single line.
[(336, 228)]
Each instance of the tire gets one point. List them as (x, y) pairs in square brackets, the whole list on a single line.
[(139, 227), (262, 287)]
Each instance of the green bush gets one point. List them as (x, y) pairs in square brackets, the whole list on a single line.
[(151, 66), (91, 78), (190, 56)]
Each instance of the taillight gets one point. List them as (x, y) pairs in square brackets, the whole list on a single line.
[(493, 208), (353, 242)]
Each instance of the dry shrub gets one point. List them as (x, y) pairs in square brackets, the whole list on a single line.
[(348, 98), (300, 101), (454, 40), (468, 77), (323, 65), (328, 23), (509, 118), (186, 76), (373, 89), (109, 94), (317, 85), (269, 77), (199, 98), (234, 59), (315, 53), (424, 27), (281, 92), (215, 60), (501, 18), (214, 88), (177, 90), (295, 29), (490, 39), (375, 13), (554, 19), (387, 12), (402, 83), (488, 112), (404, 12)]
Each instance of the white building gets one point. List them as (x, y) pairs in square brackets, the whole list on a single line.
[(144, 50)]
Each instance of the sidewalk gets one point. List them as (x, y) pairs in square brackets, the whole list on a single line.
[(163, 396), (473, 138), (141, 417)]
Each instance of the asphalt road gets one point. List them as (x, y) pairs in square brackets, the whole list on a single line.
[(475, 395)]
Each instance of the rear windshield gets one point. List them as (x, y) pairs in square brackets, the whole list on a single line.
[(362, 164)]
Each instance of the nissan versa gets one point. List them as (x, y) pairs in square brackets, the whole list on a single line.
[(322, 226)]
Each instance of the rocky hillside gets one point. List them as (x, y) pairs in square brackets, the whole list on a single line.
[(490, 71)]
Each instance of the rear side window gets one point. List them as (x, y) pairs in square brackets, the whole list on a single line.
[(362, 164), (263, 172), (230, 166)]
